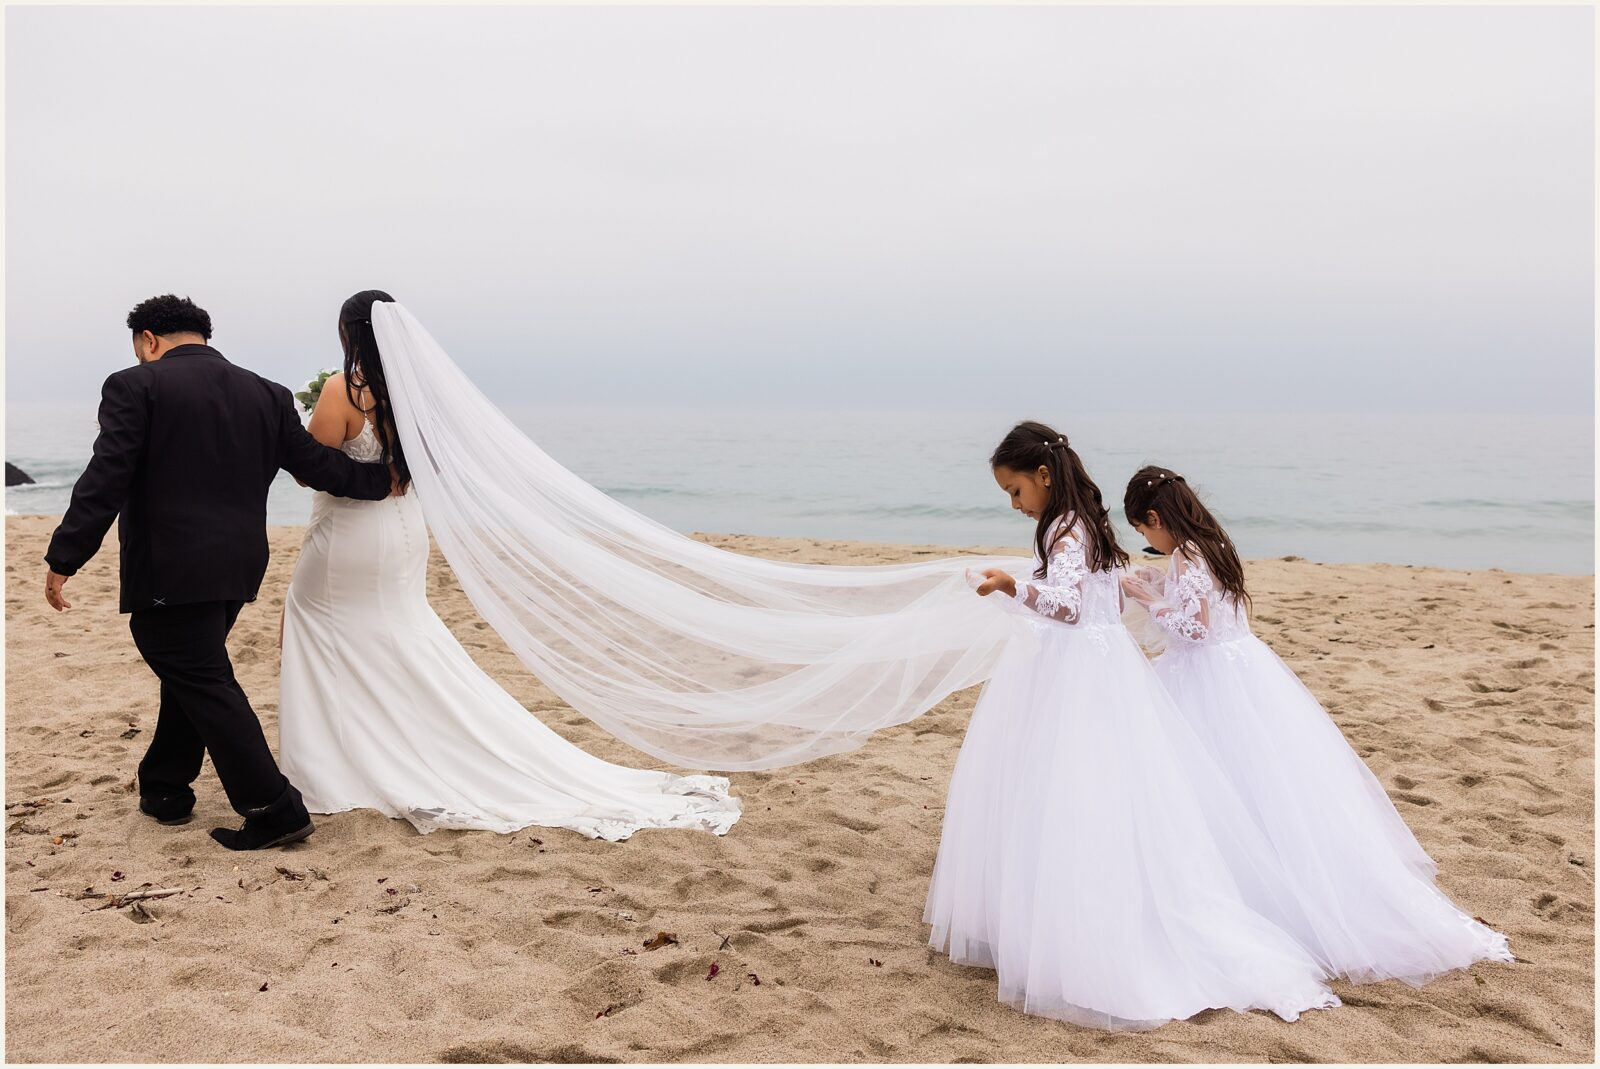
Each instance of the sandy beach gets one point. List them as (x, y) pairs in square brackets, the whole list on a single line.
[(1469, 694)]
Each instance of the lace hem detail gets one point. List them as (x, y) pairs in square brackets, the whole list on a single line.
[(709, 806)]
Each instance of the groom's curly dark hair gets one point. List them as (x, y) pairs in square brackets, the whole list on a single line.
[(170, 314)]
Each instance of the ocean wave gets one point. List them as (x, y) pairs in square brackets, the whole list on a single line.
[(41, 484), (1559, 506), (918, 511), (664, 491), (1245, 526)]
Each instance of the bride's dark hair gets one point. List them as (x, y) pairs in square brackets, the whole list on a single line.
[(363, 367), (1167, 494), (1031, 446)]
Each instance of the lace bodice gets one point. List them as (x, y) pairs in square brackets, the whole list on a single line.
[(1193, 608), (1069, 592), (364, 446)]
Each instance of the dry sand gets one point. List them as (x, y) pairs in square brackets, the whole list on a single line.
[(1471, 695)]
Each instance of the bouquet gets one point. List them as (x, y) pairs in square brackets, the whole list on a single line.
[(312, 390)]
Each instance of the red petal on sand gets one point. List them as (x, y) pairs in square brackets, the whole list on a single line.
[(712, 975)]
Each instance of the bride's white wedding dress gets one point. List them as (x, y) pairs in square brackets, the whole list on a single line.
[(381, 708)]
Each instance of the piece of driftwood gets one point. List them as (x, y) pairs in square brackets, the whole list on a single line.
[(118, 901)]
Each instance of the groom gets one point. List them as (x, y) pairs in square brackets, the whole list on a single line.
[(188, 447)]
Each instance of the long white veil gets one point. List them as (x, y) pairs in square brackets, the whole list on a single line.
[(698, 656)]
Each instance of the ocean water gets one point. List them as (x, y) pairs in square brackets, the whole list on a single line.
[(1514, 492)]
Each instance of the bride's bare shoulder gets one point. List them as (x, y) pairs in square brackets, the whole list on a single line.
[(334, 419)]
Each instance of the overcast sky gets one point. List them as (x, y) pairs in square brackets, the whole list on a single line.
[(1252, 209)]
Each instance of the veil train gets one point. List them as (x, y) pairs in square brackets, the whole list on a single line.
[(696, 655)]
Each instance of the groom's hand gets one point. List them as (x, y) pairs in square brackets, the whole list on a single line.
[(53, 584)]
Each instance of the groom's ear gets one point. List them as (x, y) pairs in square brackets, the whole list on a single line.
[(144, 346)]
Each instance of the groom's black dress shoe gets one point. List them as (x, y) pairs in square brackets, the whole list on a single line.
[(169, 809), (261, 836), (282, 822)]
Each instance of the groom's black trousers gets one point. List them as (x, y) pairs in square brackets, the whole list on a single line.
[(204, 709)]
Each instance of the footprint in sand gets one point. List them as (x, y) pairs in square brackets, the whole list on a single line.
[(500, 1051)]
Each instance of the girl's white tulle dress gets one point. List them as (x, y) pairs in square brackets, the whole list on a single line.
[(381, 708), (1369, 907), (1078, 858)]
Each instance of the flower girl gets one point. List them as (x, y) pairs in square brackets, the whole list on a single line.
[(1075, 858), (1370, 910)]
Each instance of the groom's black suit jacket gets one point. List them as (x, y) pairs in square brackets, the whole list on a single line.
[(188, 447)]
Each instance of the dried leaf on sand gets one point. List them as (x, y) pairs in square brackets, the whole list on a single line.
[(661, 939)]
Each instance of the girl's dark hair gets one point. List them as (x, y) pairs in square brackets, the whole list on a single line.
[(1030, 446), (169, 314), (1167, 494), (364, 367)]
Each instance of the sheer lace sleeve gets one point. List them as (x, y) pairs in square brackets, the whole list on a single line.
[(1185, 612), (1060, 593)]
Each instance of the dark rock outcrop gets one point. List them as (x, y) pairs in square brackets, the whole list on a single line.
[(15, 476)]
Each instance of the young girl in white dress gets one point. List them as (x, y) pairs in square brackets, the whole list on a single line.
[(1370, 908), (1076, 860)]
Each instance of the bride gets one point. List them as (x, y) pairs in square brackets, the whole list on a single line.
[(383, 709), (702, 658)]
